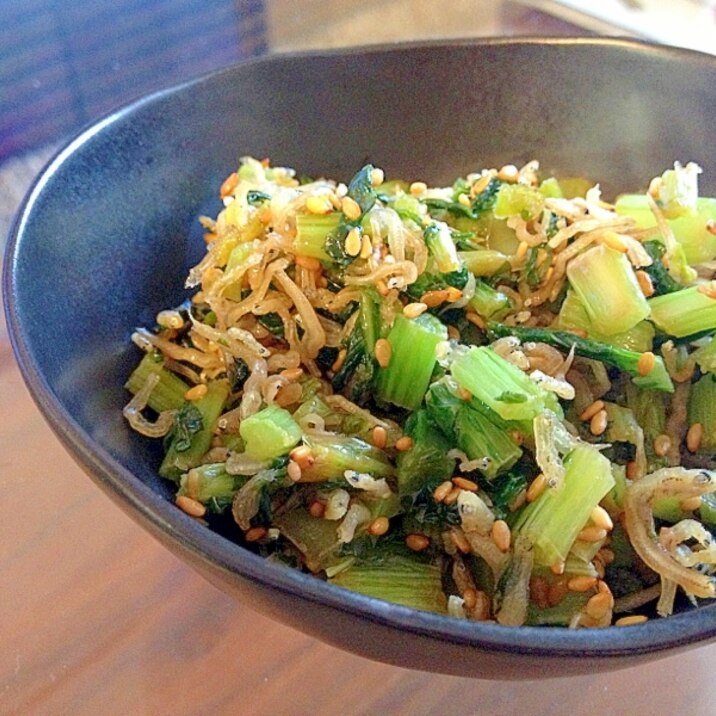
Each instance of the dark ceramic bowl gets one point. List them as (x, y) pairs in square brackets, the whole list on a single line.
[(108, 232)]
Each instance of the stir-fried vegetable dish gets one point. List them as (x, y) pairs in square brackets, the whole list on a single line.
[(494, 400)]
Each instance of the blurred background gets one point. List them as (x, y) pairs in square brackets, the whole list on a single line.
[(65, 63)]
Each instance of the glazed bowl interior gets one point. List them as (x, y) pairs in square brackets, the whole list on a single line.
[(109, 231)]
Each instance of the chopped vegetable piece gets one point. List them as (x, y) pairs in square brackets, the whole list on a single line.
[(270, 433), (607, 287)]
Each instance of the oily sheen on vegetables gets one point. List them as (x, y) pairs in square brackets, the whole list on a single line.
[(494, 400)]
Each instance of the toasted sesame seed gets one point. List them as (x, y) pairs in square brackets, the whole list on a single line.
[(453, 294), (693, 437), (480, 184), (404, 443), (599, 605), (340, 360), (170, 319), (317, 509), (308, 262), (463, 393), (229, 185), (451, 497), (417, 188), (632, 469), (691, 504), (646, 363), (293, 471), (601, 518), (319, 204), (464, 484), (519, 500), (366, 247), (459, 540), (536, 487), (353, 242), (377, 177), (476, 320), (383, 351), (614, 241), (469, 597), (350, 208), (192, 507), (434, 298), (603, 588), (655, 187), (598, 423), (708, 289), (557, 568), (662, 445), (379, 436), (417, 542), (382, 287), (303, 455), (645, 283), (606, 555), (196, 392), (442, 491), (711, 226), (592, 410), (379, 526), (521, 250), (631, 620), (453, 333), (592, 534), (501, 535), (289, 394), (508, 173), (291, 374), (255, 534), (413, 310), (581, 583)]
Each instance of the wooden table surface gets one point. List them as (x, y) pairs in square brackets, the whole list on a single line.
[(97, 618)]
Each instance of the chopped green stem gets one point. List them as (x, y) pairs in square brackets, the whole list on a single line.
[(552, 522), (625, 360), (488, 302), (427, 459), (500, 385), (412, 359), (485, 262), (333, 455), (399, 580), (185, 452), (312, 230), (441, 247), (684, 313), (607, 287), (168, 393), (211, 485), (702, 409), (270, 433)]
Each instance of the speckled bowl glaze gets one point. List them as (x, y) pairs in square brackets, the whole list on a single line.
[(108, 232)]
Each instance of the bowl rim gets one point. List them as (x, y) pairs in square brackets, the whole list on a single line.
[(163, 519)]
